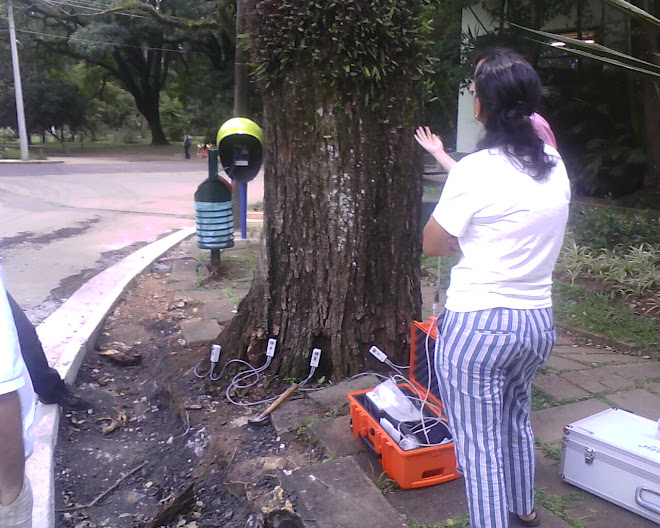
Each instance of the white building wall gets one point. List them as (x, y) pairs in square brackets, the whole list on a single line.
[(469, 130)]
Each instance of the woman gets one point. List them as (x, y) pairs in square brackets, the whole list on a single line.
[(16, 417), (505, 208)]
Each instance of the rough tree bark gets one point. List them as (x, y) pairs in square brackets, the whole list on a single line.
[(340, 248), (143, 75)]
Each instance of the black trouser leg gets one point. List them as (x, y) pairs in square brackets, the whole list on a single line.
[(46, 380)]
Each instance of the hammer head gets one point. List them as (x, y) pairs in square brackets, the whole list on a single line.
[(261, 419)]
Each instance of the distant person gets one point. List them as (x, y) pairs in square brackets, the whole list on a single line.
[(505, 209), (46, 380), (16, 417), (187, 142)]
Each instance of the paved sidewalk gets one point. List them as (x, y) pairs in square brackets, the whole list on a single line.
[(66, 336), (349, 488), (346, 490)]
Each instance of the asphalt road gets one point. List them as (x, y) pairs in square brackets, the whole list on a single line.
[(63, 222)]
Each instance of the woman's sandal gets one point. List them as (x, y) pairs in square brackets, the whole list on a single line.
[(535, 521)]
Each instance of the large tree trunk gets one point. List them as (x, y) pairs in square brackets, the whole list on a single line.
[(340, 247), (143, 76), (149, 108)]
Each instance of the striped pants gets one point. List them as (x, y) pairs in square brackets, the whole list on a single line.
[(485, 361)]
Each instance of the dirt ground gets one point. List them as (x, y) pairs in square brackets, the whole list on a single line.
[(162, 447)]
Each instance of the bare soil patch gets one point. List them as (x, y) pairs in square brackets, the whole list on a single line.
[(172, 441)]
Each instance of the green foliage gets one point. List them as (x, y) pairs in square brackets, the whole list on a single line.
[(528, 12), (609, 227), (634, 271), (541, 400), (53, 103), (560, 505), (577, 306), (549, 450), (385, 484), (619, 250), (7, 134), (601, 140), (374, 42), (137, 46), (448, 69), (10, 153), (173, 118)]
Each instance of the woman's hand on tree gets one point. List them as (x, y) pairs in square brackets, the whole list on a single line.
[(429, 141), (434, 146)]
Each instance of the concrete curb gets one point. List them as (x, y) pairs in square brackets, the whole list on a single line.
[(28, 162), (65, 336)]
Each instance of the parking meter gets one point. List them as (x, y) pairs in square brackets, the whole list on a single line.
[(240, 148)]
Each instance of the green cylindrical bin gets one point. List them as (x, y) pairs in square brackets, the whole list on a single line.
[(215, 219)]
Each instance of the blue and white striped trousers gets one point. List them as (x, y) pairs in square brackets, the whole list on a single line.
[(485, 362)]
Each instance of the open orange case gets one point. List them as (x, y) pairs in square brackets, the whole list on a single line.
[(422, 466)]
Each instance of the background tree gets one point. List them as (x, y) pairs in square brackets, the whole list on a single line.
[(54, 108), (136, 43), (341, 246), (450, 67)]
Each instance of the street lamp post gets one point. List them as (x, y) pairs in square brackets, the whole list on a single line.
[(18, 89), (239, 198)]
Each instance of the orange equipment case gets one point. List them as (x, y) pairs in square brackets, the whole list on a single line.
[(423, 466)]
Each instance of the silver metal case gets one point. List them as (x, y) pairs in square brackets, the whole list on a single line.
[(615, 454)]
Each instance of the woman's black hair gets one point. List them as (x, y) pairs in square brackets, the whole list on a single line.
[(509, 91)]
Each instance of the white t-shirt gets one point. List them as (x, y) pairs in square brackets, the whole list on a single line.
[(13, 372), (510, 229)]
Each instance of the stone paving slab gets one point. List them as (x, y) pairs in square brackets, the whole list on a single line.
[(336, 437), (648, 369), (595, 512), (641, 402), (547, 475), (560, 363), (293, 412), (199, 331), (571, 347), (432, 505), (184, 287), (202, 296), (558, 387), (335, 397), (606, 358), (222, 310), (184, 270), (336, 494), (600, 379), (130, 334), (548, 424)]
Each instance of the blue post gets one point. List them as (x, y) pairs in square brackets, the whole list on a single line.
[(243, 210)]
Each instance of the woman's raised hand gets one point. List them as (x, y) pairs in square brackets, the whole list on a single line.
[(429, 141), (434, 146)]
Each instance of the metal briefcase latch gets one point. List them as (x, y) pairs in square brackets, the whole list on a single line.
[(589, 455)]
